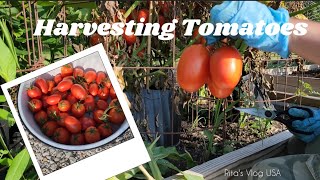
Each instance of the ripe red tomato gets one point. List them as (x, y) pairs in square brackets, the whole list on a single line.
[(164, 7), (68, 78), (140, 54), (61, 135), (34, 92), (77, 139), (64, 85), (200, 39), (35, 105), (66, 70), (89, 103), (105, 130), (78, 91), (78, 109), (226, 67), (93, 89), (112, 93), (106, 83), (53, 112), (41, 117), (72, 124), (53, 99), (90, 76), (161, 20), (143, 13), (42, 85), (72, 99), (78, 72), (219, 92), (100, 77), (92, 135), (87, 122), (103, 93), (116, 115), (193, 68), (95, 39), (102, 105), (44, 101), (51, 85), (60, 119), (130, 39), (64, 105), (98, 116), (57, 78), (49, 127)]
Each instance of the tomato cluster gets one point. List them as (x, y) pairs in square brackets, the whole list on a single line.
[(75, 107), (221, 71)]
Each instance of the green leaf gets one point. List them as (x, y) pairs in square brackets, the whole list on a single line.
[(7, 63), (190, 176), (2, 99), (89, 5), (128, 174), (18, 165), (8, 39), (6, 162), (5, 115)]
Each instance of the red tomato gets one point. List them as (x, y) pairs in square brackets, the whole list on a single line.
[(51, 85), (226, 67), (68, 78), (98, 116), (93, 89), (72, 124), (42, 84), (105, 130), (61, 135), (106, 83), (103, 93), (219, 92), (86, 122), (53, 99), (53, 112), (141, 53), (164, 7), (199, 39), (100, 77), (78, 109), (41, 117), (92, 135), (72, 99), (90, 76), (64, 85), (116, 115), (34, 92), (60, 119), (130, 39), (44, 101), (89, 103), (64, 105), (66, 70), (143, 13), (78, 72), (95, 39), (161, 20), (77, 139), (78, 91), (112, 93), (35, 105), (102, 105), (193, 68), (57, 78), (49, 127)]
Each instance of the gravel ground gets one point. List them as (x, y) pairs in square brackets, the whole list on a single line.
[(51, 159)]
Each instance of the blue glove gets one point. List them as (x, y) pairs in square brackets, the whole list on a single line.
[(253, 12), (307, 123)]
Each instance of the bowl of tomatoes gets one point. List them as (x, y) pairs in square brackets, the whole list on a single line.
[(73, 107)]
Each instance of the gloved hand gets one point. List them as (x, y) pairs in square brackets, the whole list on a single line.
[(307, 123), (252, 12)]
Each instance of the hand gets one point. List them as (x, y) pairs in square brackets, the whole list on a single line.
[(307, 123), (253, 12)]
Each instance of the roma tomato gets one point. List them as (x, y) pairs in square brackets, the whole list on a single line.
[(68, 78), (41, 117), (78, 109), (72, 99), (226, 67), (61, 135), (34, 92), (53, 99), (53, 112), (219, 92), (193, 68), (77, 139), (103, 93), (44, 101), (89, 103), (112, 93), (95, 39), (42, 85), (66, 70), (57, 78), (60, 119), (35, 105), (87, 122), (130, 39), (93, 89), (105, 130), (102, 105), (78, 92), (106, 83), (64, 85), (98, 116), (49, 127), (143, 13), (64, 105), (116, 115), (78, 72), (51, 85), (72, 124), (100, 77), (92, 134), (90, 76), (198, 38)]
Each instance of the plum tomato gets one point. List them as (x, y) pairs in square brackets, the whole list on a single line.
[(143, 13), (41, 117), (66, 70), (219, 92), (53, 99), (78, 109), (105, 130), (53, 112), (57, 78), (116, 115), (112, 93), (64, 85), (78, 72), (49, 127), (35, 105), (61, 135), (89, 103), (101, 104), (71, 99), (90, 76), (77, 139), (92, 135), (60, 119), (72, 124), (34, 92), (51, 85), (78, 91), (64, 105), (87, 122), (42, 85), (100, 77), (103, 93), (93, 89), (95, 39), (130, 39), (98, 116)]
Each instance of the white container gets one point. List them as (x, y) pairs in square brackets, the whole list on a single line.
[(93, 61)]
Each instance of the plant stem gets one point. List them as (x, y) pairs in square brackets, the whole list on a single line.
[(5, 146), (132, 7)]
